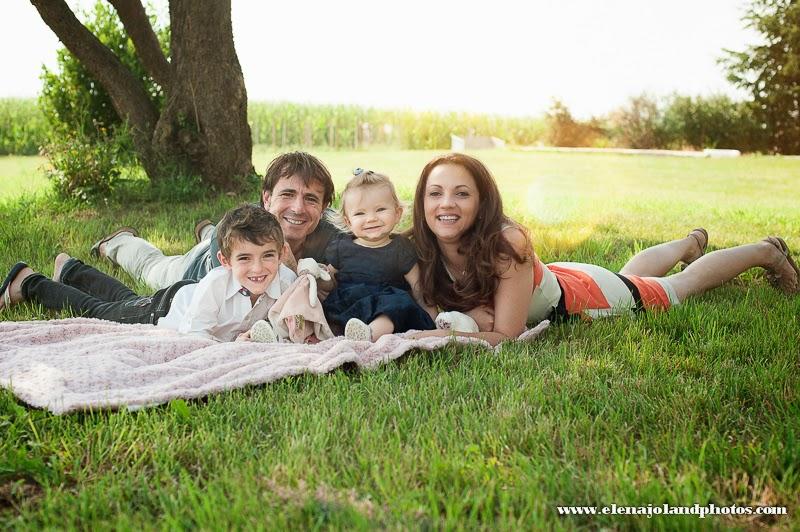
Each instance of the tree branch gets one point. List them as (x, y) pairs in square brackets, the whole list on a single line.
[(139, 29), (127, 93)]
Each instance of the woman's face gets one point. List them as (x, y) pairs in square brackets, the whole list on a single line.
[(451, 202)]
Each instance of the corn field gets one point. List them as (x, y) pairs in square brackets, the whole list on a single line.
[(23, 128)]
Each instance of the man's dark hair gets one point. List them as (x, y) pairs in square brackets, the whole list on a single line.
[(300, 164), (251, 223)]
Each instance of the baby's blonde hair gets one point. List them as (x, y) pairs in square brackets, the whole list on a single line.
[(367, 178)]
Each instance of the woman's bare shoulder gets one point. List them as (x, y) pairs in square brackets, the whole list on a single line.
[(518, 238)]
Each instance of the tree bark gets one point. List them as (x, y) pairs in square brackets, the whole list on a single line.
[(205, 115), (203, 127), (127, 94), (138, 27)]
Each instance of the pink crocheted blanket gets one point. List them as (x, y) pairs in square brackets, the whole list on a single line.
[(80, 363)]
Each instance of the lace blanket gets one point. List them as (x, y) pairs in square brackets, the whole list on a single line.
[(81, 363)]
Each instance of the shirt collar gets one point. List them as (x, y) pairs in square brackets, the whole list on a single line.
[(233, 288), (274, 288)]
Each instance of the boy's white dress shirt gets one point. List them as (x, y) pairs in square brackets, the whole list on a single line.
[(217, 307)]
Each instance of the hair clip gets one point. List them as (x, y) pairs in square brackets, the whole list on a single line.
[(358, 171)]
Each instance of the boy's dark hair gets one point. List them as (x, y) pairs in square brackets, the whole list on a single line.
[(248, 222), (305, 166)]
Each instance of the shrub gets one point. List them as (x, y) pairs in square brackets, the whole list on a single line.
[(564, 130), (82, 168), (87, 135), (73, 101), (639, 124), (712, 122)]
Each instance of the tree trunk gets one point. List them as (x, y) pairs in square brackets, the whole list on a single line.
[(204, 120), (137, 26), (202, 129)]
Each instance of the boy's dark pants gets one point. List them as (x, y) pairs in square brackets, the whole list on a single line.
[(90, 293)]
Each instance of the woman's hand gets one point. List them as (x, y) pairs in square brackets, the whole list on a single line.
[(483, 316)]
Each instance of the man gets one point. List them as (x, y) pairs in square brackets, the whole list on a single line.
[(297, 189)]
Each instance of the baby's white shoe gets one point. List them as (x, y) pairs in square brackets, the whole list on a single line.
[(456, 321), (261, 331), (357, 330)]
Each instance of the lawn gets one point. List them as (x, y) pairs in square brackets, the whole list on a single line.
[(696, 406)]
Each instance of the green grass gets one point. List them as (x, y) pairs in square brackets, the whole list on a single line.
[(21, 176), (696, 405)]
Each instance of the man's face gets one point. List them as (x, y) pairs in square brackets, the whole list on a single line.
[(298, 207)]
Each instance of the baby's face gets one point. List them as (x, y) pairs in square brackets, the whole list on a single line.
[(371, 213), (254, 266)]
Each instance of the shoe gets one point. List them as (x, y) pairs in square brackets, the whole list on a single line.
[(95, 251), (701, 236), (781, 282), (357, 330), (5, 289), (261, 331), (200, 228)]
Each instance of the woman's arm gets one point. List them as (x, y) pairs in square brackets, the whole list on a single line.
[(513, 295), (492, 338), (412, 278)]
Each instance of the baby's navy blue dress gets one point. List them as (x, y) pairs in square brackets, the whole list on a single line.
[(371, 283)]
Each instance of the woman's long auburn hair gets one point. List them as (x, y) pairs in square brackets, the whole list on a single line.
[(484, 244)]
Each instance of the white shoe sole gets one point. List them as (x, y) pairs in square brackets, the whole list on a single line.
[(357, 331), (261, 331)]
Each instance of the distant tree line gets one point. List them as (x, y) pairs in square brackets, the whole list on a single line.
[(675, 122)]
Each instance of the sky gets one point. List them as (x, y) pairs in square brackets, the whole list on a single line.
[(500, 56)]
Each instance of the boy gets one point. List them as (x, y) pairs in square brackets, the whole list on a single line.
[(222, 306)]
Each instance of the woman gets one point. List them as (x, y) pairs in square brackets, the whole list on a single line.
[(476, 260)]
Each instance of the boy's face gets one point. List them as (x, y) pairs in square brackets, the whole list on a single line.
[(253, 266), (298, 207)]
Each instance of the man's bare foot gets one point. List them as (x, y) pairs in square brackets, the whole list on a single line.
[(12, 286), (61, 259), (699, 240), (784, 274)]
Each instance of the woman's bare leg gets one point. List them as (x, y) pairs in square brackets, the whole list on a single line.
[(718, 267), (656, 261)]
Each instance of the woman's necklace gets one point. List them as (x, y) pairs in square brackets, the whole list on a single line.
[(459, 272)]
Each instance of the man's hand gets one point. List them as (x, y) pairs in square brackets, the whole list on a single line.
[(324, 288), (287, 257)]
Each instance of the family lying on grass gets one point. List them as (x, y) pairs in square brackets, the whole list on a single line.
[(465, 257)]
